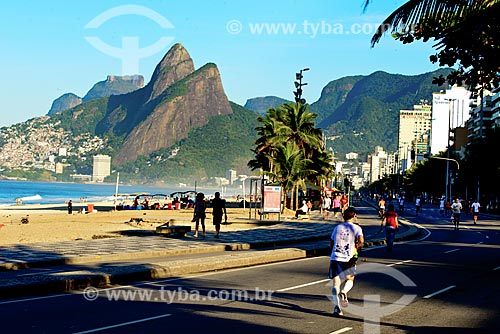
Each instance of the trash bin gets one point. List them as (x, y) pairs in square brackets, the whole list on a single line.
[(90, 207), (177, 206), (169, 206)]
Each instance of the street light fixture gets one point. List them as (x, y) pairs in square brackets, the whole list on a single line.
[(298, 86)]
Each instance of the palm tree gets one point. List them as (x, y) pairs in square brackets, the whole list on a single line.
[(284, 133)]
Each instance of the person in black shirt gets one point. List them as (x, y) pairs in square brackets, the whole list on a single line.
[(218, 210)]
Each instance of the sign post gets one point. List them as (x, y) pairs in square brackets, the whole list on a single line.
[(272, 200)]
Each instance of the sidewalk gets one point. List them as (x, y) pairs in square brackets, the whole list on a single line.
[(57, 267)]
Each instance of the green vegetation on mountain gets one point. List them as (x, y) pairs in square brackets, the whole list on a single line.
[(209, 151), (369, 115)]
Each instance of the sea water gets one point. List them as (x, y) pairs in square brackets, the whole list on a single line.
[(31, 192)]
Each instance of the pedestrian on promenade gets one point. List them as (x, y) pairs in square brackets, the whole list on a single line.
[(200, 207), (218, 210), (70, 207), (391, 224), (344, 203), (336, 205), (327, 203), (381, 207), (447, 207), (455, 208), (475, 210), (345, 241)]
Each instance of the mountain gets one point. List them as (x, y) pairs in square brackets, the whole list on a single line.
[(64, 102), (177, 101), (113, 85), (261, 104), (364, 110)]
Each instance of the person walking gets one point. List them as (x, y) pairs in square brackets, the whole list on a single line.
[(336, 205), (381, 207), (326, 205), (345, 241), (70, 207), (200, 207), (475, 210), (455, 208), (391, 224), (218, 210)]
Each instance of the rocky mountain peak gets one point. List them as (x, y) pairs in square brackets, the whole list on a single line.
[(175, 65)]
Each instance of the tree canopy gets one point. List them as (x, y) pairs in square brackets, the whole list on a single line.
[(467, 35)]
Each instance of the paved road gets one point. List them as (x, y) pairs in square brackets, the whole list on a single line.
[(449, 279)]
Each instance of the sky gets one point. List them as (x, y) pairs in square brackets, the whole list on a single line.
[(53, 47)]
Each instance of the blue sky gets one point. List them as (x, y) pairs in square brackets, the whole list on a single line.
[(257, 45)]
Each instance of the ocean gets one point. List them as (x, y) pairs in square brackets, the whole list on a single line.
[(32, 192)]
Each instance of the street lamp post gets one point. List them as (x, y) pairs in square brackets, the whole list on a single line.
[(298, 86), (447, 170)]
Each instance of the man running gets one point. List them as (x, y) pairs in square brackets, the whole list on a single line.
[(345, 241), (475, 210), (455, 208)]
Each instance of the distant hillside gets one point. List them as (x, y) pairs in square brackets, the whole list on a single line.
[(261, 104), (64, 102), (367, 114), (113, 85)]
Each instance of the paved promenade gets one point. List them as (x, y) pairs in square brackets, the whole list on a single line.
[(63, 266)]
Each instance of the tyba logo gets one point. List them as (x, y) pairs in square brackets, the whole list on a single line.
[(129, 53)]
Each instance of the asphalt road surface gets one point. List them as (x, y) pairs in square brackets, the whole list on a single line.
[(446, 281)]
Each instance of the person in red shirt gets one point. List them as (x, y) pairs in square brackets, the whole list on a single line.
[(344, 203), (391, 224)]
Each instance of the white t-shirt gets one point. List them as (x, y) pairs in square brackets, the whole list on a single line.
[(344, 240), (456, 207), (327, 202), (475, 206)]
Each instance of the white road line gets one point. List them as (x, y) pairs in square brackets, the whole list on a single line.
[(303, 285), (35, 298), (440, 291), (401, 262), (342, 330), (496, 268), (124, 324), (451, 251)]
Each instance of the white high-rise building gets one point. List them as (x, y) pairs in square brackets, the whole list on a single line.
[(101, 167), (414, 132), (450, 109)]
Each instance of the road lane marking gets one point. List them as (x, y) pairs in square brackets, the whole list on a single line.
[(440, 291), (124, 324), (497, 268), (342, 330), (303, 285), (401, 262), (451, 251)]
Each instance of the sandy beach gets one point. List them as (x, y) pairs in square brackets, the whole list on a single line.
[(49, 223)]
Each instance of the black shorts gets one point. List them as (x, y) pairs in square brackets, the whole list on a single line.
[(342, 269), (217, 220)]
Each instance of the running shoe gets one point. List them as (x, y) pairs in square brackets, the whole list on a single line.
[(337, 312), (343, 299)]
